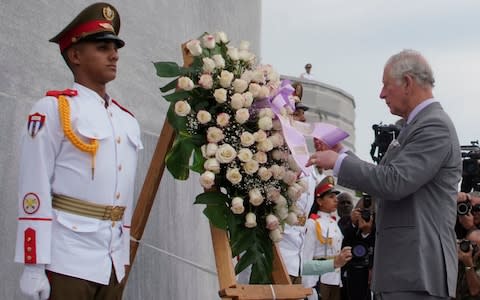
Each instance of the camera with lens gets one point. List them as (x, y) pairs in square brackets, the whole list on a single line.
[(361, 255), (464, 208), (470, 167), (465, 245), (384, 134), (365, 212)]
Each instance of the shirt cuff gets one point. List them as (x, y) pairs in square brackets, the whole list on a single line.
[(338, 163)]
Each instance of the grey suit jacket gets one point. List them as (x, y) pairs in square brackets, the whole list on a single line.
[(415, 187)]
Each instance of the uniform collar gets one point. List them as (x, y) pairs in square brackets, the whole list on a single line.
[(91, 93)]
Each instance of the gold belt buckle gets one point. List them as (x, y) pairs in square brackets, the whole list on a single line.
[(301, 220), (117, 213)]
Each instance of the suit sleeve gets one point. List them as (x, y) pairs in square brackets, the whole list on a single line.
[(40, 143)]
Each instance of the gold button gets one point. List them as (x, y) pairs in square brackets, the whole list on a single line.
[(29, 249), (118, 140), (29, 239), (29, 257), (117, 196), (119, 167)]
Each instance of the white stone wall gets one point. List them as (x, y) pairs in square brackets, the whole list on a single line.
[(153, 31)]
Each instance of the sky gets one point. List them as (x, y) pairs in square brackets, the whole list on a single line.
[(348, 43)]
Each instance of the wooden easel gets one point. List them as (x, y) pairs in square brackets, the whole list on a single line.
[(229, 289)]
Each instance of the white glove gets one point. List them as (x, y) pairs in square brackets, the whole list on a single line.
[(34, 282)]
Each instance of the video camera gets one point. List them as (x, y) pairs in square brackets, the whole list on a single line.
[(366, 212), (384, 134), (470, 167)]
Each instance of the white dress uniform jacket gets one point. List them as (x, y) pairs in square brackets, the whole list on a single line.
[(67, 243), (314, 249)]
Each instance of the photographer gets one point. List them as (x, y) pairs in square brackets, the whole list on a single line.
[(468, 212), (468, 280), (360, 235)]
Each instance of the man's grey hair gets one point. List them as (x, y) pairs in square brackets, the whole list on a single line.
[(411, 62)]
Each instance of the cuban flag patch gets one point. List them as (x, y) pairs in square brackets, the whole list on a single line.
[(35, 123)]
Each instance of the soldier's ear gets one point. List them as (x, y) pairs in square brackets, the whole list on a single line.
[(72, 55)]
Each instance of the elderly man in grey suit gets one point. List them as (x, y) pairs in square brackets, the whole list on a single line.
[(415, 186)]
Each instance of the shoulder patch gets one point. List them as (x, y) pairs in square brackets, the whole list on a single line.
[(35, 123), (67, 92), (122, 108)]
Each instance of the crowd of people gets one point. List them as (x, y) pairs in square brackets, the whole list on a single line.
[(411, 235)]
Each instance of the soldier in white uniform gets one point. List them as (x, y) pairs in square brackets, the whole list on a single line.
[(323, 239), (78, 162)]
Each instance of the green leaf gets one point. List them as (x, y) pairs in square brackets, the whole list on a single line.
[(247, 258), (261, 272), (178, 158), (212, 198), (177, 122), (173, 97), (169, 86), (198, 161), (242, 241), (167, 69), (217, 215)]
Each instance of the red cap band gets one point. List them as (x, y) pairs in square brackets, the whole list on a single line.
[(83, 30)]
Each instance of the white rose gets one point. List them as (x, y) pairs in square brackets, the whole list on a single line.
[(225, 154), (194, 47), (223, 119), (266, 112), (303, 182), (293, 164), (281, 201), (214, 135), (264, 92), (278, 154), (208, 65), (250, 167), (219, 61), (292, 218), (290, 177), (245, 55), (242, 115), (281, 211), (182, 108), (275, 235), (247, 139), (294, 191), (232, 52), (265, 123), (258, 77), (273, 194), (226, 78), (234, 176), (185, 83), (207, 179), (208, 41), (264, 173), (220, 95), (244, 45), (250, 220), (247, 76), (237, 101), (221, 37), (212, 165), (239, 85), (204, 117), (261, 157), (260, 136), (245, 154), (277, 139), (248, 99), (277, 171), (209, 150), (272, 222), (265, 146), (237, 206), (254, 89), (206, 81), (255, 197)]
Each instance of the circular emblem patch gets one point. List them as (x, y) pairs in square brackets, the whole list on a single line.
[(31, 203), (108, 13)]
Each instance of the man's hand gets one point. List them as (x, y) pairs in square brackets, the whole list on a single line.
[(343, 257), (321, 146), (467, 221), (323, 159), (364, 226), (34, 282)]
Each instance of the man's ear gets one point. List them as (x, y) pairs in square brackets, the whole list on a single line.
[(73, 55)]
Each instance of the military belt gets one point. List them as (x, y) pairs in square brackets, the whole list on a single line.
[(323, 257), (87, 209)]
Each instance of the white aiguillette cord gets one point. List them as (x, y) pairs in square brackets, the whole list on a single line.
[(205, 269)]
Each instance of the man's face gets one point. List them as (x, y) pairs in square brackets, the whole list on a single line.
[(308, 68), (96, 61), (393, 92), (299, 115)]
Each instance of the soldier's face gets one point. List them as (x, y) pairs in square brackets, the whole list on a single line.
[(96, 61)]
